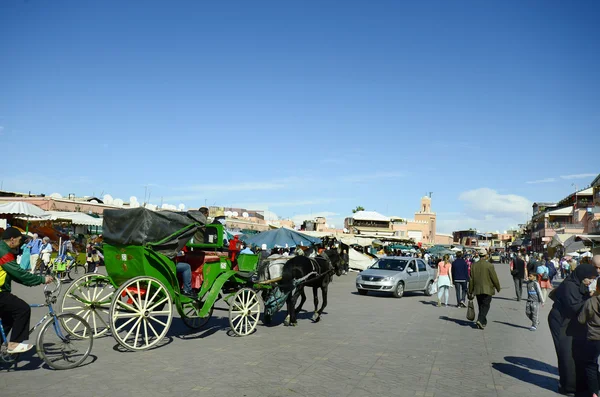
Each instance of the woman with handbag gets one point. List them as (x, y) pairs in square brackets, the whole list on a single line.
[(444, 280)]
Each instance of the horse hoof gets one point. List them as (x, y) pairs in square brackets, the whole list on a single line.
[(316, 318), (286, 322), (293, 324)]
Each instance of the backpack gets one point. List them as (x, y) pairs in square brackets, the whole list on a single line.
[(551, 270), (544, 273)]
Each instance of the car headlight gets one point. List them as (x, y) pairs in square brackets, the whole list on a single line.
[(358, 278), (388, 279)]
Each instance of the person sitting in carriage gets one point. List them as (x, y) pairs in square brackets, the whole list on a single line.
[(185, 270)]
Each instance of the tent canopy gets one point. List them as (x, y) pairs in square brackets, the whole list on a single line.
[(22, 208), (362, 241), (281, 237), (588, 238), (559, 239), (572, 244), (76, 218), (440, 250)]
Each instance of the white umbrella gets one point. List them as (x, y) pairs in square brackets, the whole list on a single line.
[(575, 254), (456, 249), (587, 255), (22, 208)]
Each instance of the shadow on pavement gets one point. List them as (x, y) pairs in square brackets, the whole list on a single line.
[(214, 325), (165, 341), (35, 363), (524, 375), (512, 325), (463, 323), (431, 303), (505, 299), (531, 363)]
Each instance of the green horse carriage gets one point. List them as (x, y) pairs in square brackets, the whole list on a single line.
[(135, 300)]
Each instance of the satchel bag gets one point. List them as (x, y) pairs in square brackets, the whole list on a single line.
[(470, 311)]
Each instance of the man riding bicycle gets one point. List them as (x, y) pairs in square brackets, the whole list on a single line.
[(66, 249), (14, 312)]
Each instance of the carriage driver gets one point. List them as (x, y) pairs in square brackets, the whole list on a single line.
[(15, 312)]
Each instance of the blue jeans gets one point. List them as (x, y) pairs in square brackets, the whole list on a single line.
[(186, 274), (461, 291)]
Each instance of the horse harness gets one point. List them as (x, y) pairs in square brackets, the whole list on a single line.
[(316, 269)]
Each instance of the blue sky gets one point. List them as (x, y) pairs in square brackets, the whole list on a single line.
[(304, 108)]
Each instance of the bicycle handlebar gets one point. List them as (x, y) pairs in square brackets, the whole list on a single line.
[(54, 291)]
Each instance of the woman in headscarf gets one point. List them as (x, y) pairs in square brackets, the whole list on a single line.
[(568, 335)]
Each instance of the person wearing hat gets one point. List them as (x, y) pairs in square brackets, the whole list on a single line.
[(484, 281), (15, 312)]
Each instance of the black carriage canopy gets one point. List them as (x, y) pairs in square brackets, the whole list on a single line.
[(167, 232)]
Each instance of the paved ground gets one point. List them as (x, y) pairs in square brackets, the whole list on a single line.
[(365, 345)]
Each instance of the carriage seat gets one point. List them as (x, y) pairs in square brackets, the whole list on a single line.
[(197, 259)]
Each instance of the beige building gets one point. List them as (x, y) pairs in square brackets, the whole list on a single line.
[(443, 239), (421, 229)]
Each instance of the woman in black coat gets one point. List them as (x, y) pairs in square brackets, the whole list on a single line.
[(568, 335)]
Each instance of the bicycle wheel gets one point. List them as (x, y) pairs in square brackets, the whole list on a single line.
[(62, 349), (76, 270)]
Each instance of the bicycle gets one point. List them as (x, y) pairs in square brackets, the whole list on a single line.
[(69, 267), (56, 341)]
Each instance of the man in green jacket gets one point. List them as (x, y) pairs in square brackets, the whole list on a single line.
[(15, 312), (483, 282)]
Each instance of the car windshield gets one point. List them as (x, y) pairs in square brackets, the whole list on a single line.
[(390, 264)]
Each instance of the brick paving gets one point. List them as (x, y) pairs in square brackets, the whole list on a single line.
[(365, 345)]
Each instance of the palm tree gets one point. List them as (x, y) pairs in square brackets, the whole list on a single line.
[(358, 208)]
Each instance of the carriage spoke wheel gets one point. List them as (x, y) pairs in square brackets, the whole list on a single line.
[(190, 315), (88, 297), (244, 312), (141, 313)]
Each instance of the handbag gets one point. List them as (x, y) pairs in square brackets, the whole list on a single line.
[(434, 288), (470, 310)]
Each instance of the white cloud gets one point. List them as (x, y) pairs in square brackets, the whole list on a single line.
[(578, 176), (489, 201), (356, 178), (486, 209), (567, 177), (545, 180)]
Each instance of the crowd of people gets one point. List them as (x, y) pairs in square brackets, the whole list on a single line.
[(35, 254)]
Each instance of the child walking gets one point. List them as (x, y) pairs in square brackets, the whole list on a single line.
[(590, 315), (534, 298)]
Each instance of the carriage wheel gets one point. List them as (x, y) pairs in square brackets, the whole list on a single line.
[(88, 297), (244, 312), (190, 317), (141, 313)]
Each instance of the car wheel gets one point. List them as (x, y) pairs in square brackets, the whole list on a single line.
[(363, 292), (399, 290), (428, 288)]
